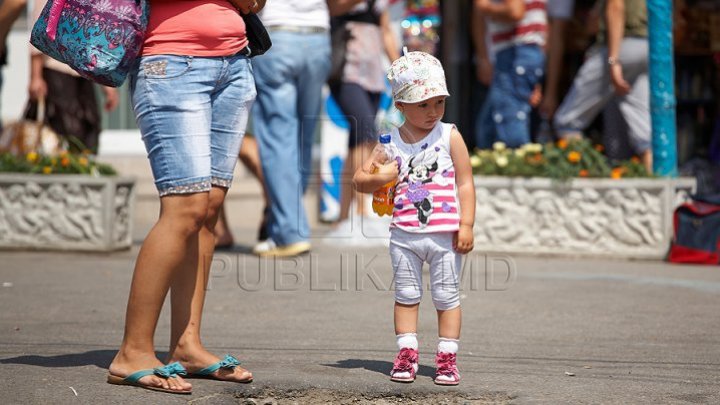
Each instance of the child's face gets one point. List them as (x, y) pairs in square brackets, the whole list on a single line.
[(425, 114)]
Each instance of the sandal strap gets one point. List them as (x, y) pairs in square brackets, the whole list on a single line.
[(167, 371), (228, 362)]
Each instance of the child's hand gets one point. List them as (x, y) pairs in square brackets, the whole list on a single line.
[(463, 242), (388, 171)]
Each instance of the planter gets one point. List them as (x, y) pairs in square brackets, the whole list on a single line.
[(628, 218), (66, 212)]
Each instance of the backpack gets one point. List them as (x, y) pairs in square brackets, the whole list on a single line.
[(696, 236)]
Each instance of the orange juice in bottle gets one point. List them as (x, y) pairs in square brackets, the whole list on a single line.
[(384, 197)]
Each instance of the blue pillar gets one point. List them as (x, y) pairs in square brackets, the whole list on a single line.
[(662, 88)]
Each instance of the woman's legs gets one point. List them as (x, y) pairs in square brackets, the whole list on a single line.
[(360, 108), (185, 343), (169, 251)]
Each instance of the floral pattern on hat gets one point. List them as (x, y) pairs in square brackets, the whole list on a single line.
[(416, 77)]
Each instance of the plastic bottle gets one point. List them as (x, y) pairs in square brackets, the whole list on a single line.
[(383, 200)]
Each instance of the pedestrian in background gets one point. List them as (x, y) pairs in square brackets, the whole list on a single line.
[(10, 10), (71, 107), (289, 81), (433, 213), (616, 69), (517, 31), (192, 90), (360, 84)]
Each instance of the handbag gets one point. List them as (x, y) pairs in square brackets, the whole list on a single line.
[(696, 237), (98, 39), (256, 34), (29, 135)]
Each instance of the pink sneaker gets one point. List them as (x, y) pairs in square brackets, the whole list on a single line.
[(405, 366), (447, 372)]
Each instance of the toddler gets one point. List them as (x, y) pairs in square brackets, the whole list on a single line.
[(433, 215)]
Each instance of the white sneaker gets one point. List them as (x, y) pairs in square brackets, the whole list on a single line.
[(264, 246)]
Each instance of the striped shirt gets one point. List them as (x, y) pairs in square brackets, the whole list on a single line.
[(425, 195), (531, 29)]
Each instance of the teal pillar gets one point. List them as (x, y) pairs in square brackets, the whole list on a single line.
[(662, 88)]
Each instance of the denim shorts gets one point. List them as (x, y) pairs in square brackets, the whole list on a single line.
[(192, 113)]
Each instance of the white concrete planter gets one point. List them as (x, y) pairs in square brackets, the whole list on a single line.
[(66, 212), (626, 218)]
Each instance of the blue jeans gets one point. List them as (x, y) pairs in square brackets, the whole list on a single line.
[(192, 113), (505, 116), (289, 81)]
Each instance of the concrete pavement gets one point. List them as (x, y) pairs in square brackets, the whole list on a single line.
[(318, 329)]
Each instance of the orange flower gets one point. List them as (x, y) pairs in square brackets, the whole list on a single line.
[(562, 143), (83, 161), (635, 159), (47, 170), (599, 148), (617, 172), (574, 157), (583, 173), (65, 161)]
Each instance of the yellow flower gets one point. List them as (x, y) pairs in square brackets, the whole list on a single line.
[(574, 157), (499, 146), (83, 161), (533, 148), (520, 153), (475, 161), (32, 157), (47, 170), (501, 161), (562, 143), (53, 161)]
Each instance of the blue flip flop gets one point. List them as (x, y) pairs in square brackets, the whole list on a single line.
[(229, 362), (169, 371)]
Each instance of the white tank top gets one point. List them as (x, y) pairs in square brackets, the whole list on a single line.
[(425, 195)]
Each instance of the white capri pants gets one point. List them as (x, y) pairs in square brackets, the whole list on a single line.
[(592, 90), (408, 252)]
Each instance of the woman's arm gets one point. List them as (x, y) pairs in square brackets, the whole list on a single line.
[(508, 11), (464, 240), (389, 40), (483, 65), (248, 6), (615, 22), (9, 12), (340, 7)]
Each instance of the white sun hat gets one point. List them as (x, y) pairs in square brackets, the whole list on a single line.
[(416, 77)]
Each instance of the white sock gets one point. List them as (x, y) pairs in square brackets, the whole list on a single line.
[(446, 345), (408, 340)]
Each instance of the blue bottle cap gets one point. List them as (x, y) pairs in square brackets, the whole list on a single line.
[(385, 138)]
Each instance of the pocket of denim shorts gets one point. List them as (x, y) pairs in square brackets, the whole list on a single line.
[(165, 66)]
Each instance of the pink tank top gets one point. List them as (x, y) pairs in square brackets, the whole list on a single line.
[(425, 195), (194, 28)]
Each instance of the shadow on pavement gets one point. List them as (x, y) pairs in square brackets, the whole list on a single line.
[(99, 358), (378, 366)]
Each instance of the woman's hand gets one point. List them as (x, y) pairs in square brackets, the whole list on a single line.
[(38, 88), (112, 99), (463, 241), (248, 6), (616, 75)]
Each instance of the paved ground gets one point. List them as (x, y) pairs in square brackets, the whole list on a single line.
[(318, 328)]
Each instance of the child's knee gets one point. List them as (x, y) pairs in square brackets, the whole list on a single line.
[(408, 296), (446, 299)]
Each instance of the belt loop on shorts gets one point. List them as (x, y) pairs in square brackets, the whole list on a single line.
[(297, 29)]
